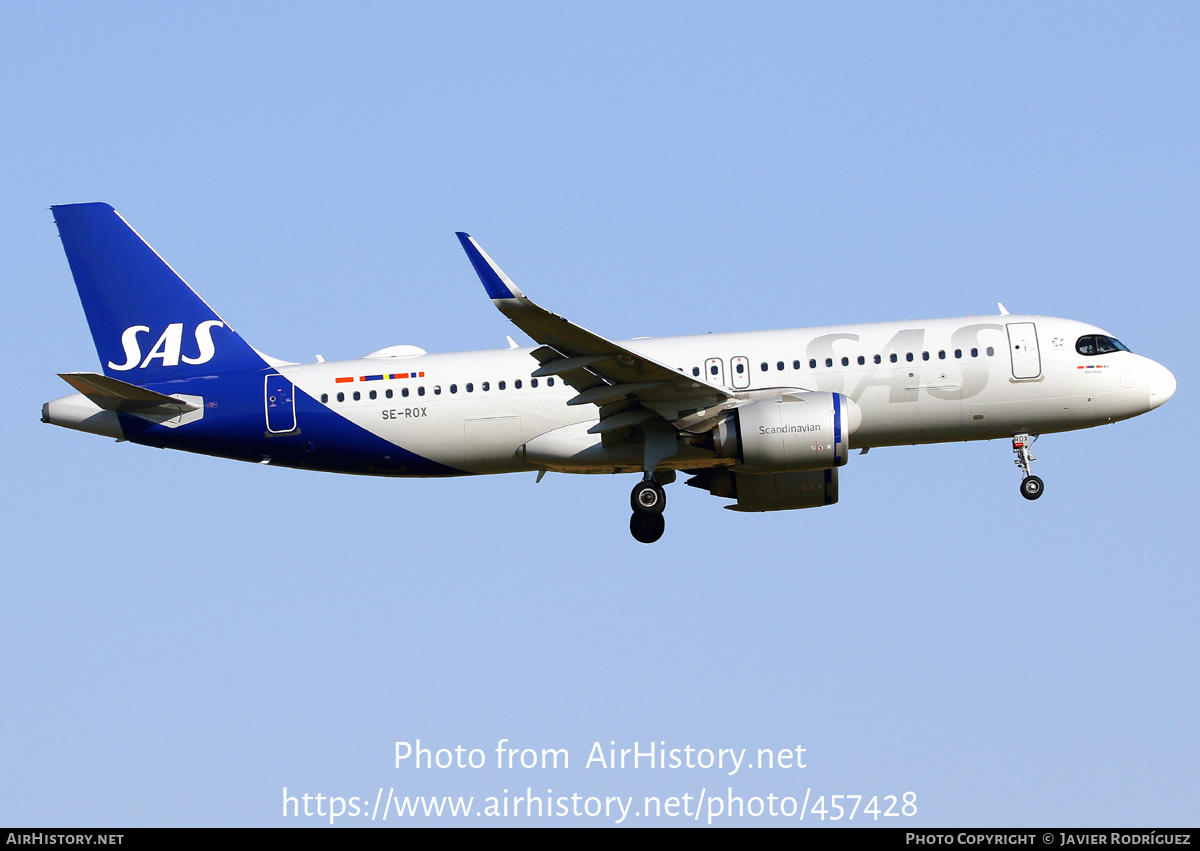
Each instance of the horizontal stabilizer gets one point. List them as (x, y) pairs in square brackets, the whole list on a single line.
[(112, 394)]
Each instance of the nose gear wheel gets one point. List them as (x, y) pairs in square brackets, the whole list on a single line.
[(1031, 486)]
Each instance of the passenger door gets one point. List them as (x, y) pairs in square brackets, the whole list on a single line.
[(279, 399), (1023, 347)]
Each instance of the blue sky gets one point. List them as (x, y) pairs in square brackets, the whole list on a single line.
[(184, 637)]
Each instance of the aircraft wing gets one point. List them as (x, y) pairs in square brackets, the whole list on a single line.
[(629, 387)]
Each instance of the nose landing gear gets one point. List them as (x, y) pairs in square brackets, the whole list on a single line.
[(1031, 485)]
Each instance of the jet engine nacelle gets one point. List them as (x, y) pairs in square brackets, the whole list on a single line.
[(770, 491), (792, 432)]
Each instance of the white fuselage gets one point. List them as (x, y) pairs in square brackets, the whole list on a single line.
[(766, 419), (970, 378)]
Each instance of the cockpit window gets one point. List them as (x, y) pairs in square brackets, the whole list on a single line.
[(1098, 344)]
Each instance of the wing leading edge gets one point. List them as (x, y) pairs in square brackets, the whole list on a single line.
[(630, 388)]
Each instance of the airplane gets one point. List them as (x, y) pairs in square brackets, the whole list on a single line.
[(764, 418)]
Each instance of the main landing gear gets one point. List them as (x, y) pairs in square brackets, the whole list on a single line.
[(648, 501), (648, 498), (1031, 485)]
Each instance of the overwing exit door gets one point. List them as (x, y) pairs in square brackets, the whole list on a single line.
[(714, 371), (740, 367)]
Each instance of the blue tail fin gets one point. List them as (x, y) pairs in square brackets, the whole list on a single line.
[(147, 323)]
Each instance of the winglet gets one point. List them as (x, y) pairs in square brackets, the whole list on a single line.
[(492, 276)]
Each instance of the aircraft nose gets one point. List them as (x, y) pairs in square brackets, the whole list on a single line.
[(1162, 384)]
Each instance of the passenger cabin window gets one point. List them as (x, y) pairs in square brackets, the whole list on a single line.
[(878, 359), (795, 364), (829, 361), (861, 360), (812, 364), (990, 351), (696, 371), (845, 361), (779, 365), (892, 357), (324, 397), (764, 366), (372, 394), (517, 384), (388, 392), (1091, 345)]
